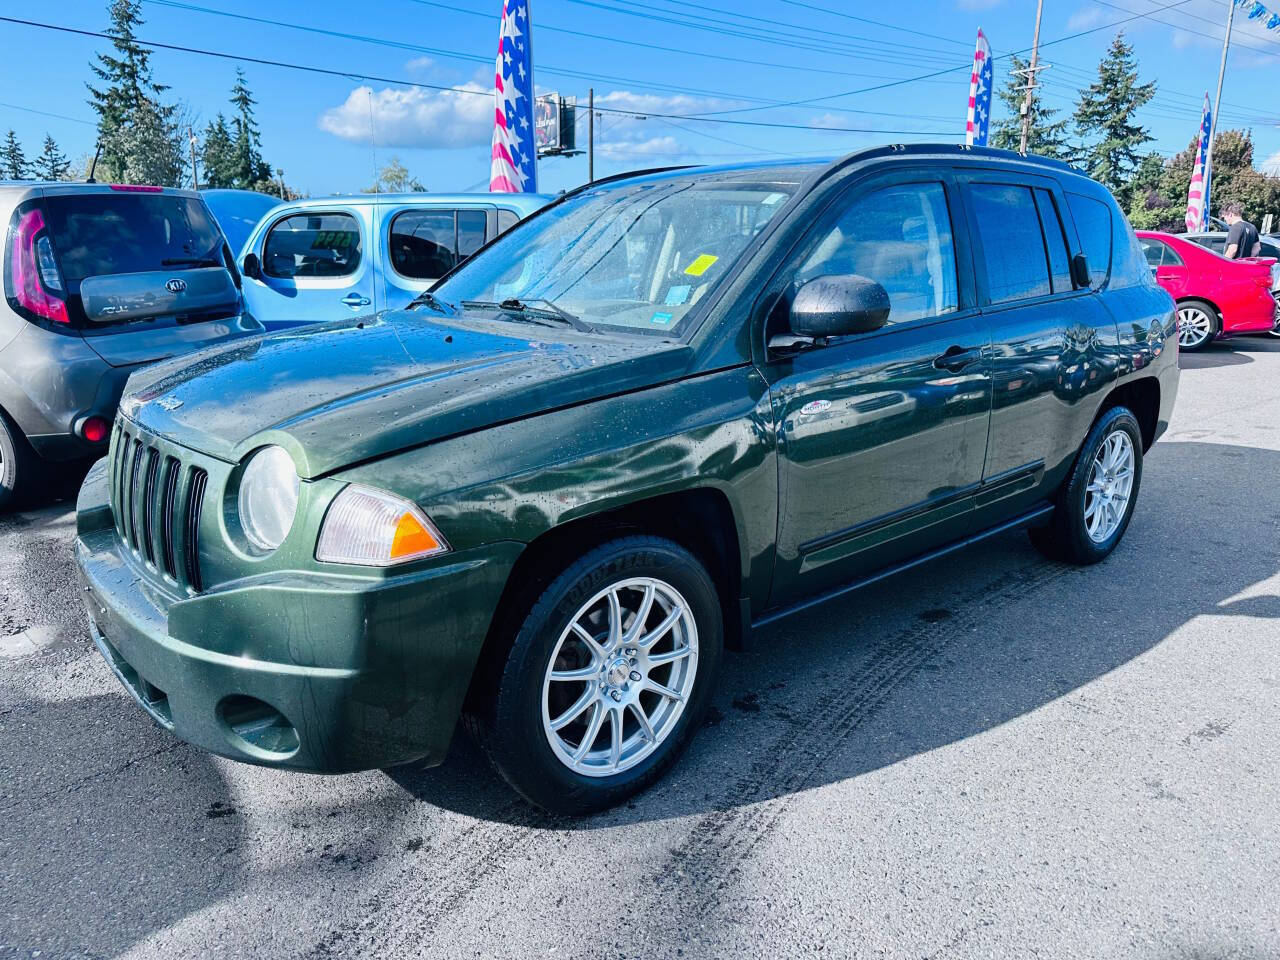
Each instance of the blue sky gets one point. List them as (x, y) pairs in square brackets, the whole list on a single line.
[(317, 127)]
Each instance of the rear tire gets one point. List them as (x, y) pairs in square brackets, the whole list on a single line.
[(18, 462), (583, 668), (1096, 502), (1197, 325)]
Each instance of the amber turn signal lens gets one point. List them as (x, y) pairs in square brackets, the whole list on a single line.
[(373, 528), (412, 538)]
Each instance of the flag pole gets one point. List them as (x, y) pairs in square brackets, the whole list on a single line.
[(1217, 102)]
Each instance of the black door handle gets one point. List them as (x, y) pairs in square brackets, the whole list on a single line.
[(957, 358)]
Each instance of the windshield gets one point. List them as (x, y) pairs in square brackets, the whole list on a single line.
[(635, 258), (98, 234)]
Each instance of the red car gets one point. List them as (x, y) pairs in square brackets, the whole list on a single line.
[(1216, 297)]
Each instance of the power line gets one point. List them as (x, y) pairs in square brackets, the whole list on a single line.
[(349, 74), (46, 113), (936, 73)]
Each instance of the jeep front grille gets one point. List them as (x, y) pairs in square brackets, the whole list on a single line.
[(157, 502)]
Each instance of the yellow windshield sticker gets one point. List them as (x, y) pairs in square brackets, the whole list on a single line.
[(701, 265)]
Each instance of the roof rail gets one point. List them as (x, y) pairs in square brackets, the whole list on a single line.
[(960, 149)]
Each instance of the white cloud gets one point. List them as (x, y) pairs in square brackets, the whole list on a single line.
[(979, 4), (657, 103), (631, 149), (420, 65), (414, 117), (1272, 164), (1084, 19)]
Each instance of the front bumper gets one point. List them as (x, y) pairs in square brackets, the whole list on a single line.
[(313, 671)]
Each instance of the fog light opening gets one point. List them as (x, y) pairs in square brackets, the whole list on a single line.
[(258, 727)]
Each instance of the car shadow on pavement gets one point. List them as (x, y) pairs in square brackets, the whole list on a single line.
[(1229, 353), (938, 655)]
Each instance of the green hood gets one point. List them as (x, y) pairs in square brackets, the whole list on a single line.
[(342, 393)]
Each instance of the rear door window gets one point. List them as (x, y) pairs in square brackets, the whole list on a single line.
[(1013, 246), (1093, 225), (100, 234), (312, 245), (427, 244), (1055, 241)]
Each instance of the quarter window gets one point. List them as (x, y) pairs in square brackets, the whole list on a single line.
[(900, 237), (1012, 243), (312, 245), (506, 220), (1093, 224), (427, 244)]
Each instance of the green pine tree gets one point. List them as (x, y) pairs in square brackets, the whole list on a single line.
[(52, 164), (217, 154), (1046, 137), (250, 167), (1105, 119), (126, 79), (13, 162)]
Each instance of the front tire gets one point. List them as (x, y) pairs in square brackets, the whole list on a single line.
[(608, 677), (1096, 503), (17, 463), (1197, 325)]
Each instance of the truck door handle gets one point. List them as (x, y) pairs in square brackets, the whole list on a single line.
[(957, 358), (354, 300)]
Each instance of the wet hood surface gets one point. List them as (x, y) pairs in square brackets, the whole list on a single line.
[(342, 393)]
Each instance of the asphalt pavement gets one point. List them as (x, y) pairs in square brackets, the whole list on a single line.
[(991, 756)]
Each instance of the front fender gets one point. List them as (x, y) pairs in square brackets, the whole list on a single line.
[(519, 480)]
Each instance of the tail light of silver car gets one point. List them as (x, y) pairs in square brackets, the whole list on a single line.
[(32, 282)]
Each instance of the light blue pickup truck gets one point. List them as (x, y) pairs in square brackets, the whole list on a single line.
[(334, 257)]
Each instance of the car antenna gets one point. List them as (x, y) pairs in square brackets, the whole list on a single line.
[(97, 151)]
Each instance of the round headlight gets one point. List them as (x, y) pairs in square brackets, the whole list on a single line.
[(268, 497)]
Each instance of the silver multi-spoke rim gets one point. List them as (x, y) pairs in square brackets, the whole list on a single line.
[(620, 676), (1194, 326), (1106, 498)]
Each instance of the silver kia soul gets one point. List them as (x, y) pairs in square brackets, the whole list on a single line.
[(98, 280)]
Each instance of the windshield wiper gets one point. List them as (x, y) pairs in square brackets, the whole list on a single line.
[(429, 299), (533, 308), (191, 262)]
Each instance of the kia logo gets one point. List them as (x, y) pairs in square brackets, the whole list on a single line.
[(175, 285)]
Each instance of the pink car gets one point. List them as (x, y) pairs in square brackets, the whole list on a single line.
[(1216, 297)]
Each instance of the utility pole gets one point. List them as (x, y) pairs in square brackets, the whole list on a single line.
[(195, 176), (591, 134), (1213, 121), (280, 174), (1031, 80)]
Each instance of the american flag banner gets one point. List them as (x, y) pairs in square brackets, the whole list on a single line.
[(513, 165), (979, 119), (1198, 192)]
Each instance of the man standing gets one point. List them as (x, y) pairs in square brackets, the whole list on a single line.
[(1242, 236)]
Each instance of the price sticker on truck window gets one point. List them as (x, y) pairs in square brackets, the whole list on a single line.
[(678, 295), (700, 265)]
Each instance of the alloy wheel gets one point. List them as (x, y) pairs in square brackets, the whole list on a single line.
[(620, 676), (1195, 326), (1106, 498)]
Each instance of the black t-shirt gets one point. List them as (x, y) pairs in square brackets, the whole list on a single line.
[(1245, 236)]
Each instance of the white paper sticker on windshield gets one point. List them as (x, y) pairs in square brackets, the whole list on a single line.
[(773, 198)]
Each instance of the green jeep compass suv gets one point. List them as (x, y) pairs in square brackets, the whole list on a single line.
[(668, 408)]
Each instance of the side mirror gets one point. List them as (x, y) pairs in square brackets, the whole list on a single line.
[(837, 306), (251, 267), (1080, 271)]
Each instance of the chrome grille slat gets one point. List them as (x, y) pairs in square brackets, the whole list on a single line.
[(191, 542), (149, 504), (169, 499)]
